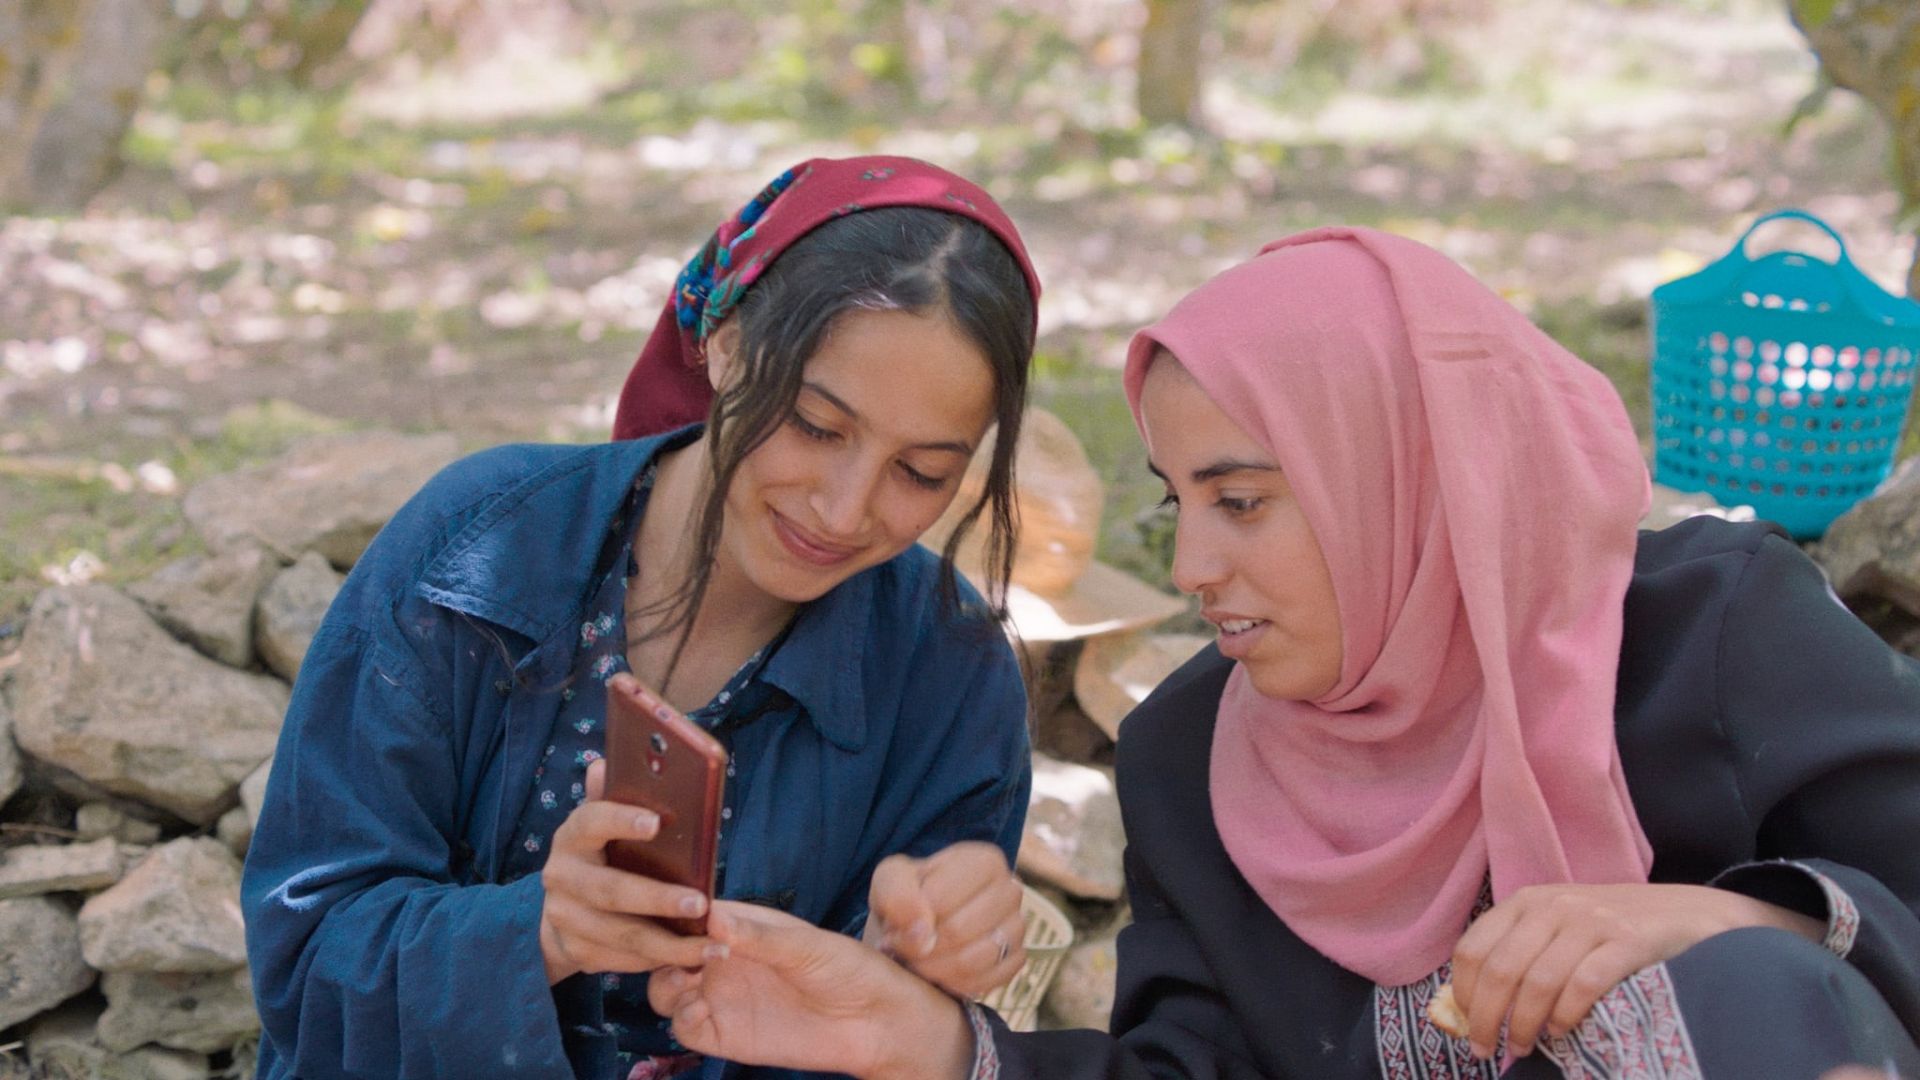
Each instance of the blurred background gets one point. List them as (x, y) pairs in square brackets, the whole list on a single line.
[(232, 223)]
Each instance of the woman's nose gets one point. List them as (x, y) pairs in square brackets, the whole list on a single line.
[(1196, 566), (843, 500)]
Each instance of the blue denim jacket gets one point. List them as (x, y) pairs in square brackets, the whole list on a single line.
[(382, 938)]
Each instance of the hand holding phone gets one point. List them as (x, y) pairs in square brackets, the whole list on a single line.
[(662, 761)]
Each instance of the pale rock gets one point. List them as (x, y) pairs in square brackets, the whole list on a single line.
[(330, 494), (178, 910), (1074, 839), (253, 792), (64, 1043), (207, 600), (1082, 992), (203, 1013), (100, 819), (1873, 550), (34, 869), (118, 702), (1670, 506), (40, 961), (235, 831), (236, 826), (1117, 671), (290, 610)]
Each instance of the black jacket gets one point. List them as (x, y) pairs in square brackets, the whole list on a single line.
[(1757, 720)]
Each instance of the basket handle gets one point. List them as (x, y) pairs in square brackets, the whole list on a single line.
[(1793, 215)]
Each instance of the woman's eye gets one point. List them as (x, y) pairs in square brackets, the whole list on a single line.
[(921, 479), (1169, 499), (1238, 506), (810, 430)]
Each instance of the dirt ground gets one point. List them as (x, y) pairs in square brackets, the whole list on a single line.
[(270, 265)]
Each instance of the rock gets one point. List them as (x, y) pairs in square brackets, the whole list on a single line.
[(253, 791), (98, 819), (177, 910), (64, 1043), (40, 961), (1671, 507), (236, 825), (43, 868), (11, 773), (1082, 992), (328, 494), (203, 1013), (123, 706), (1117, 671), (235, 831), (1073, 836), (207, 600), (1873, 550), (290, 610)]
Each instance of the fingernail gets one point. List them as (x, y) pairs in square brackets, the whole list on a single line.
[(1482, 1052), (692, 904), (922, 933), (646, 821), (715, 952)]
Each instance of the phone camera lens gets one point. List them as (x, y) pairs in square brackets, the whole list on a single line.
[(659, 743)]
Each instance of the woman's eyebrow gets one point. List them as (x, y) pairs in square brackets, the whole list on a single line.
[(953, 445), (1219, 469), (1229, 466)]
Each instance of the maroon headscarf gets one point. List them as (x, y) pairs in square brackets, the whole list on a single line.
[(667, 387)]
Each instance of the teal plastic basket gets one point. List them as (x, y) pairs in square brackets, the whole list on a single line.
[(1781, 382)]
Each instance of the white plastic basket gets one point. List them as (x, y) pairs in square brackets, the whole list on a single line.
[(1048, 936)]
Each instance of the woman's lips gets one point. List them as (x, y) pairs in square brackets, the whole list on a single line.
[(1239, 635), (805, 547)]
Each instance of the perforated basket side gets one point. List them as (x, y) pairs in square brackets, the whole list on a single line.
[(1048, 936)]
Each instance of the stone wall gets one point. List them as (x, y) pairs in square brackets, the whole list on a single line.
[(137, 726)]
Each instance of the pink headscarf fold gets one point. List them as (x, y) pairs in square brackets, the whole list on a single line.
[(1476, 491)]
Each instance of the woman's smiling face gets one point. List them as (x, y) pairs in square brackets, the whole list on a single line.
[(891, 408), (1242, 544)]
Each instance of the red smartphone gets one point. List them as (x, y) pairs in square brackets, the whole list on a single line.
[(662, 761)]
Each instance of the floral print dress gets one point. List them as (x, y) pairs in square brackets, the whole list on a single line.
[(647, 1049)]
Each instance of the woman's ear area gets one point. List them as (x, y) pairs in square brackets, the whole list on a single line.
[(719, 351)]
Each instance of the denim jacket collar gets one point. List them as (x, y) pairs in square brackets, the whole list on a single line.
[(569, 510)]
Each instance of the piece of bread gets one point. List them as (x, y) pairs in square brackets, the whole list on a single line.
[(1445, 1013)]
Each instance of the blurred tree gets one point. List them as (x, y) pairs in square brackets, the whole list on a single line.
[(238, 41), (1872, 47), (1171, 48), (71, 75)]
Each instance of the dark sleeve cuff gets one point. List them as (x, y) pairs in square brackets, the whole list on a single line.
[(1798, 887), (986, 1056)]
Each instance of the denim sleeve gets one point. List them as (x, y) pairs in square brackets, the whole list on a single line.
[(961, 769), (1825, 719), (369, 957)]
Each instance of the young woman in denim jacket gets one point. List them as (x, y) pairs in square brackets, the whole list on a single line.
[(1644, 804), (427, 894)]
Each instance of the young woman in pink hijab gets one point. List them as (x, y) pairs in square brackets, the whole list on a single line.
[(1646, 804)]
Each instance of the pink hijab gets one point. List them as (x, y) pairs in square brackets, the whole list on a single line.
[(1476, 491)]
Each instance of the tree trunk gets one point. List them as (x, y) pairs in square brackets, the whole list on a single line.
[(1872, 47), (71, 76), (1170, 53)]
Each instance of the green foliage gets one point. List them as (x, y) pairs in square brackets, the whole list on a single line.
[(1813, 14)]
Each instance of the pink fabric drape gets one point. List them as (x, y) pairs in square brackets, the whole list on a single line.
[(1476, 491)]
